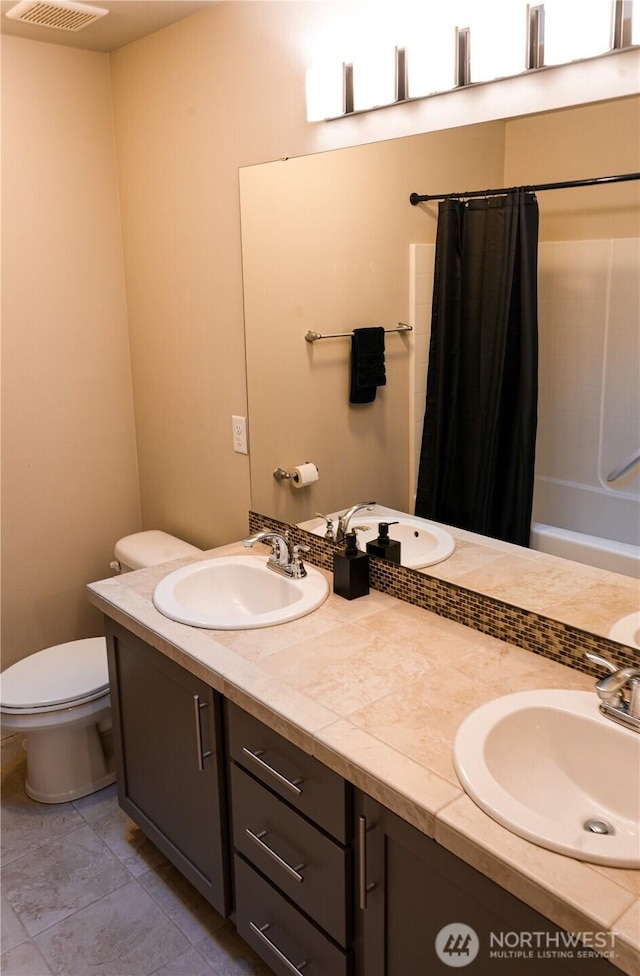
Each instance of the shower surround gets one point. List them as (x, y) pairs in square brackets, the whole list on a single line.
[(589, 404)]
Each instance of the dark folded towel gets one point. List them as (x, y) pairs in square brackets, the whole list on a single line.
[(367, 364)]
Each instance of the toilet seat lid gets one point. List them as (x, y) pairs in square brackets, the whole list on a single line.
[(58, 675)]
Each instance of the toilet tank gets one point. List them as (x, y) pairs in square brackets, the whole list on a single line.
[(149, 549)]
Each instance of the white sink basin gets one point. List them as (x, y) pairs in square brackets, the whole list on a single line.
[(237, 593), (546, 764), (627, 630), (422, 543)]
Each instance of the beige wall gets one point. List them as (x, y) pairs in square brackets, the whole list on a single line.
[(69, 473), (192, 104), (575, 144)]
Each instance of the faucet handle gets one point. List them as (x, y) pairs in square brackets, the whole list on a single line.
[(299, 572), (611, 687), (602, 661), (330, 533), (619, 692)]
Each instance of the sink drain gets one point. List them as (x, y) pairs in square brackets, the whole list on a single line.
[(599, 827)]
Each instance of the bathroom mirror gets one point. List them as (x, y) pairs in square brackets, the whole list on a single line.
[(330, 243)]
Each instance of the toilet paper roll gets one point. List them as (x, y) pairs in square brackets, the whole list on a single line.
[(304, 474)]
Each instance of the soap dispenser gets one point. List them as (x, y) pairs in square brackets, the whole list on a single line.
[(350, 569), (383, 546)]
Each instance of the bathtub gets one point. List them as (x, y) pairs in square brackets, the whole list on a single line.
[(616, 557)]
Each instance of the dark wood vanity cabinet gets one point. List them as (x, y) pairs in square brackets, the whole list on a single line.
[(168, 742), (409, 889), (291, 828), (319, 878)]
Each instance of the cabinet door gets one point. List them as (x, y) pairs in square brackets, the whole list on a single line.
[(409, 890), (166, 740)]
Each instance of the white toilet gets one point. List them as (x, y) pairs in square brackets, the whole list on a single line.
[(59, 696)]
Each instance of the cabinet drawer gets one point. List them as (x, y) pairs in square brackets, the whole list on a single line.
[(288, 942), (301, 780), (309, 867)]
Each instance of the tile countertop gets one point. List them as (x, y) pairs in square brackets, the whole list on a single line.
[(353, 684)]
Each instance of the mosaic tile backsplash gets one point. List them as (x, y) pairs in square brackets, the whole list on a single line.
[(532, 631)]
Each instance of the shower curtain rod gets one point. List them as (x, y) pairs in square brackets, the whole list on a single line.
[(417, 198)]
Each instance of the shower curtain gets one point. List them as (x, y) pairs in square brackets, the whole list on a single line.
[(478, 447)]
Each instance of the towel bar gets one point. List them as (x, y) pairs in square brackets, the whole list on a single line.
[(314, 336)]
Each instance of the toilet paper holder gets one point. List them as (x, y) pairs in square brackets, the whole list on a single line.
[(294, 476)]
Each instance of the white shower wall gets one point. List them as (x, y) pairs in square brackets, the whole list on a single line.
[(589, 376)]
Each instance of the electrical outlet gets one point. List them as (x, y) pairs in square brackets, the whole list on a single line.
[(240, 444)]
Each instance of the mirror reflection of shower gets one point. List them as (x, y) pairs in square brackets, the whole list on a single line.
[(589, 315), (589, 406)]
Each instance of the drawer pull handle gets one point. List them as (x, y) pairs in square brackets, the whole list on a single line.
[(259, 931), (363, 887), (197, 706), (257, 839), (290, 784)]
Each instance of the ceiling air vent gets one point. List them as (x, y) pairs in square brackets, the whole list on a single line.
[(58, 14)]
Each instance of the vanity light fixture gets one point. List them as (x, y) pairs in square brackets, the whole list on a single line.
[(379, 79), (430, 66), (425, 66), (329, 88), (498, 30), (573, 32), (325, 91), (374, 81), (332, 92)]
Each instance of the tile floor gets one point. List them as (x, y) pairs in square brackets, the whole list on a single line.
[(84, 892)]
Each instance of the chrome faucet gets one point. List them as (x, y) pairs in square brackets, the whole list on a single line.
[(285, 558), (619, 692), (345, 518)]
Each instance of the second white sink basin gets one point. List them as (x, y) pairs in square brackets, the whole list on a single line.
[(627, 630), (237, 593), (422, 543), (551, 768)]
